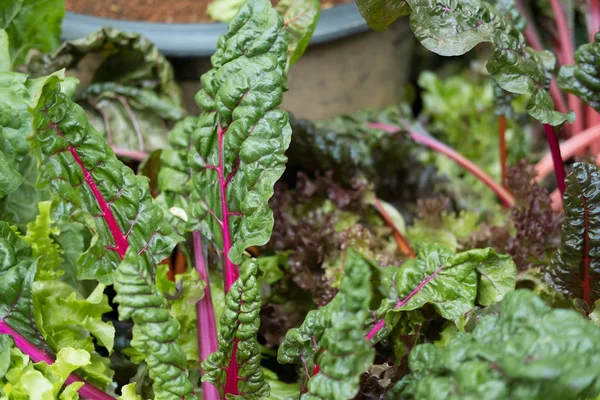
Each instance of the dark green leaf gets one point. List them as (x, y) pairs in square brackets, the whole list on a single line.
[(241, 137), (583, 78), (155, 330), (332, 338), (575, 271), (121, 210)]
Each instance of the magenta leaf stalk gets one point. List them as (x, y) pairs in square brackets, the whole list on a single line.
[(559, 166), (503, 194), (207, 328), (401, 303), (87, 391)]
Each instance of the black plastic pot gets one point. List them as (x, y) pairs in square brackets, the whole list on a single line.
[(347, 67)]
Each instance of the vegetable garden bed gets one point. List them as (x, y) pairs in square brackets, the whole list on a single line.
[(412, 252)]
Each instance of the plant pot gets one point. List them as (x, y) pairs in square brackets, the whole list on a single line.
[(347, 67)]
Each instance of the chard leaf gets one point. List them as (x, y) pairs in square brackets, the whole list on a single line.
[(300, 18), (524, 353), (31, 24), (583, 79), (79, 166), (133, 91), (223, 10), (241, 136), (451, 283), (330, 344), (17, 271), (237, 339), (575, 271), (454, 27), (155, 331)]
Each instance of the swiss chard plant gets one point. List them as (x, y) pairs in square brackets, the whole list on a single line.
[(255, 255)]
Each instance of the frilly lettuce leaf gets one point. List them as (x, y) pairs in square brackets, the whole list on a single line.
[(66, 319), (25, 380)]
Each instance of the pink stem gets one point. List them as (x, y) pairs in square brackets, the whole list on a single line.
[(401, 303), (503, 194), (567, 56), (568, 149), (87, 391), (231, 271), (132, 154), (559, 166), (121, 244), (207, 328)]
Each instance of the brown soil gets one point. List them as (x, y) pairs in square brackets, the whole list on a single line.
[(174, 11)]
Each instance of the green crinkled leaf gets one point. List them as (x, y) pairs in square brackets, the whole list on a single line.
[(116, 203), (332, 337), (239, 324), (21, 207), (17, 271), (451, 283), (575, 270), (458, 26), (526, 352), (31, 24), (345, 354), (133, 91), (454, 27), (241, 137), (182, 295), (300, 18), (18, 93), (583, 79), (128, 393), (155, 331)]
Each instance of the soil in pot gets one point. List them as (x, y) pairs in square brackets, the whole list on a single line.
[(177, 11)]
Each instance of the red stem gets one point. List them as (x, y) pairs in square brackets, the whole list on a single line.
[(559, 166), (231, 271), (401, 303), (567, 56), (502, 146), (207, 328), (568, 149), (504, 196), (401, 241), (121, 243), (87, 391)]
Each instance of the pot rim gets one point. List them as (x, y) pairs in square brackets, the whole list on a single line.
[(200, 40)]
